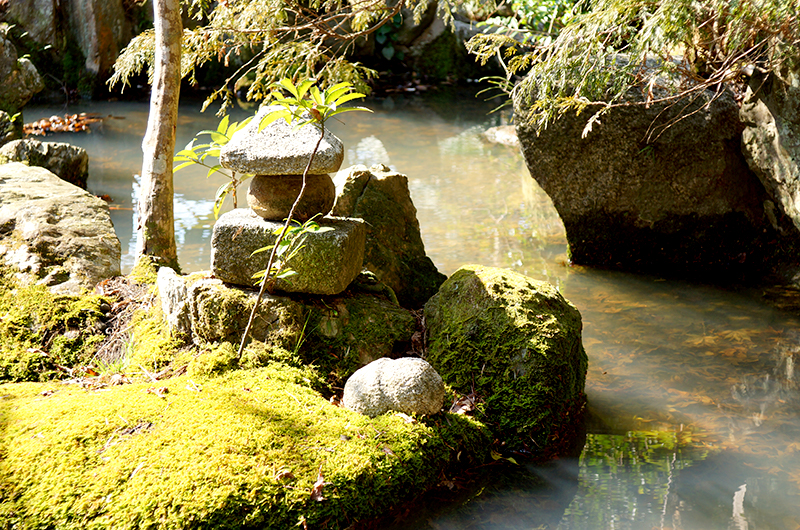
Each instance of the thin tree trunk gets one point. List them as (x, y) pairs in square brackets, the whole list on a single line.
[(156, 229)]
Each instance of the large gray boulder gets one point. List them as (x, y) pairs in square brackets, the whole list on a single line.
[(512, 346), (280, 148), (771, 138), (69, 162), (37, 17), (54, 233), (409, 385), (394, 249), (326, 264), (662, 189)]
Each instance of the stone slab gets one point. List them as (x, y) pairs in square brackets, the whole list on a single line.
[(326, 264), (280, 149)]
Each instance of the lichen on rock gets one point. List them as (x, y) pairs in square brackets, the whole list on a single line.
[(516, 343)]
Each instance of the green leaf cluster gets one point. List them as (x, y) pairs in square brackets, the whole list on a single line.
[(269, 40), (197, 153), (305, 103)]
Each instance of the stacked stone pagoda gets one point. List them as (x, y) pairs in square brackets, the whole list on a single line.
[(277, 156)]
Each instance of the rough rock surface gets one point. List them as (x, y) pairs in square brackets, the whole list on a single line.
[(69, 162), (328, 262), (516, 343), (8, 129), (771, 139), (37, 17), (340, 334), (646, 191), (279, 149), (173, 292), (54, 233), (272, 196), (19, 80), (503, 135), (101, 31), (409, 385), (394, 250)]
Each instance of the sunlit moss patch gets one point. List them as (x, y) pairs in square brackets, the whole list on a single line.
[(247, 449)]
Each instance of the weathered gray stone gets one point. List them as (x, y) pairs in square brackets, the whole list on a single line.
[(173, 293), (19, 80), (661, 189), (328, 262), (272, 196), (513, 343), (37, 17), (771, 139), (339, 336), (54, 233), (394, 251), (219, 313), (503, 135), (279, 149), (409, 385), (8, 129), (69, 162)]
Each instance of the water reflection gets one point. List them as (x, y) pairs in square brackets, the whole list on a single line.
[(693, 390)]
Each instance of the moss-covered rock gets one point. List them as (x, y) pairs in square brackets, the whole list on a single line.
[(516, 343), (338, 334), (41, 331), (249, 449), (394, 250)]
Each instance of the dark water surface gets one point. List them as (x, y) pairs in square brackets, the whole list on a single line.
[(693, 390)]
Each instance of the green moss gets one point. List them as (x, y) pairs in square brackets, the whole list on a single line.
[(344, 333), (516, 343), (151, 344), (40, 331), (242, 450), (215, 360), (145, 270)]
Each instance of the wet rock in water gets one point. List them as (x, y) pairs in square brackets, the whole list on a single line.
[(272, 196), (409, 385), (662, 189), (54, 233), (516, 344), (280, 149), (328, 262), (394, 250), (502, 134), (69, 162)]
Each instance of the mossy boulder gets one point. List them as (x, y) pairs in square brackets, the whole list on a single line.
[(249, 449), (41, 331), (516, 343), (338, 333)]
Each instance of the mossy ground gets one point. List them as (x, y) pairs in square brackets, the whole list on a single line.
[(40, 331), (241, 450)]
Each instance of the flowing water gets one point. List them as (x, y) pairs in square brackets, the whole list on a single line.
[(693, 390)]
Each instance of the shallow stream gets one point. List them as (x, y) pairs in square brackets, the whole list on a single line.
[(694, 391)]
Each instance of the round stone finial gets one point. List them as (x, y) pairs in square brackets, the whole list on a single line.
[(280, 149)]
